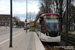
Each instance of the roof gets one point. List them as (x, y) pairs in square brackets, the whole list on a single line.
[(14, 18), (49, 14), (4, 15)]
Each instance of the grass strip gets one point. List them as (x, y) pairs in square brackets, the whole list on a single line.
[(69, 34), (32, 30)]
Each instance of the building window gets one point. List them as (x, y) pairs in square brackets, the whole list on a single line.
[(8, 17), (3, 18), (2, 23)]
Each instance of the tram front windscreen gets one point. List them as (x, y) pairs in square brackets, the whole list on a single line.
[(52, 23)]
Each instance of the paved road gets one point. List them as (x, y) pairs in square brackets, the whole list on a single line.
[(21, 41), (5, 30), (5, 33)]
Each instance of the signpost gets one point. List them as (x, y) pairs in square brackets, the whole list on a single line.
[(25, 24)]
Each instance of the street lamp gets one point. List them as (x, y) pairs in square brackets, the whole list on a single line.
[(10, 23), (26, 15)]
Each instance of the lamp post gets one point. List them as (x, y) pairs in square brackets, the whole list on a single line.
[(10, 23), (26, 16), (66, 22)]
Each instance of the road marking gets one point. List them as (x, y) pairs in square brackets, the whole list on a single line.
[(8, 39)]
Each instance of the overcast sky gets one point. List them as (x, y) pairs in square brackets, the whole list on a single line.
[(19, 7)]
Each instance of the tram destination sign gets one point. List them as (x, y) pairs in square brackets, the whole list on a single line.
[(51, 16)]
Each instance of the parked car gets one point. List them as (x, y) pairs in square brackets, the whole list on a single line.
[(14, 26)]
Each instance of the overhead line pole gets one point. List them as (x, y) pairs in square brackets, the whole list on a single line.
[(10, 23), (26, 16), (66, 22)]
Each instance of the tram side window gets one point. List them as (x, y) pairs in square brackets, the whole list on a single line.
[(42, 27)]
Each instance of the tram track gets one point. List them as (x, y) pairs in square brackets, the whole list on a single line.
[(51, 46), (70, 40), (47, 47)]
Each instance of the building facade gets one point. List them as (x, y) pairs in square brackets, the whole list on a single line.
[(4, 20), (14, 21)]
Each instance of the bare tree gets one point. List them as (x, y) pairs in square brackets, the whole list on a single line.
[(46, 6), (30, 16), (17, 18)]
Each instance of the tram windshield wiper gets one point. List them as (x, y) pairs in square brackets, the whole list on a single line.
[(49, 28)]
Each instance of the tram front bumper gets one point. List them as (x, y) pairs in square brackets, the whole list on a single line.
[(51, 39)]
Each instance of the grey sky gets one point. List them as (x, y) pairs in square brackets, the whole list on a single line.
[(25, 0)]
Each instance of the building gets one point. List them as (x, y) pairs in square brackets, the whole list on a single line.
[(4, 19), (14, 21), (21, 24)]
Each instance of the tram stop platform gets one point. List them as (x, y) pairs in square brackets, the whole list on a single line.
[(24, 41)]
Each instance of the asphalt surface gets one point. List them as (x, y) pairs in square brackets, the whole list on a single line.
[(20, 40), (5, 32)]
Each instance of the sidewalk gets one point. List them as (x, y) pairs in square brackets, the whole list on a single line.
[(72, 32), (24, 41)]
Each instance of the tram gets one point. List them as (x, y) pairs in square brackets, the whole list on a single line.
[(50, 27)]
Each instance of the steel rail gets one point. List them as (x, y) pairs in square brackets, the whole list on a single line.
[(70, 39), (50, 48)]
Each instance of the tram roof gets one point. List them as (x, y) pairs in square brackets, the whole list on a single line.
[(49, 14)]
